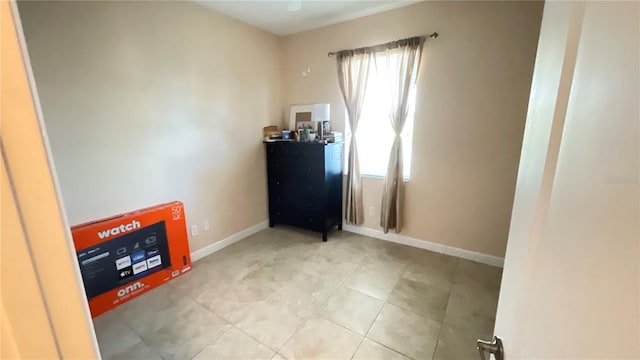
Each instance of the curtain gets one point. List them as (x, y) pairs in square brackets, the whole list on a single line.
[(353, 71), (400, 64)]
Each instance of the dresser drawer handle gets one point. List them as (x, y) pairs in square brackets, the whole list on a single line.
[(278, 198), (277, 182), (309, 188), (310, 169), (310, 220)]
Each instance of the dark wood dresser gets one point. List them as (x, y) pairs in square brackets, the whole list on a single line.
[(305, 185)]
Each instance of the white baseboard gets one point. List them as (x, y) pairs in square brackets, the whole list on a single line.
[(427, 245), (378, 234), (219, 245)]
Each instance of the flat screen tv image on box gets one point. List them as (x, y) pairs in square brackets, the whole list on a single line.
[(121, 259)]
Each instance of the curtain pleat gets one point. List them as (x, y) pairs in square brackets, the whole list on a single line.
[(353, 71), (401, 64)]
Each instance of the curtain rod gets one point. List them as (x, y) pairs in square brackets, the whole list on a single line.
[(433, 35)]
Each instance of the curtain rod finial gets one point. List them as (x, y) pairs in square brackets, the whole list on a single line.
[(434, 35)]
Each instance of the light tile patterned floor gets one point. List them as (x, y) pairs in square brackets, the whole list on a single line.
[(284, 294)]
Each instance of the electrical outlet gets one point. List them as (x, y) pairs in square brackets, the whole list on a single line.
[(194, 230), (371, 211), (206, 226)]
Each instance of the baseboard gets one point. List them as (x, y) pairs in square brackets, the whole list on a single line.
[(219, 245), (378, 234), (427, 245)]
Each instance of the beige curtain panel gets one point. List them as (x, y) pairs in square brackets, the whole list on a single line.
[(400, 64), (400, 60), (353, 71)]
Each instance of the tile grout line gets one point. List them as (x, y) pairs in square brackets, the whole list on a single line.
[(444, 316), (391, 349), (315, 312), (271, 297), (327, 299), (359, 291), (385, 303), (340, 285), (361, 341), (153, 349), (269, 262), (349, 330), (342, 326), (258, 341), (354, 270), (385, 346), (214, 341), (292, 335), (277, 351), (217, 337), (120, 318)]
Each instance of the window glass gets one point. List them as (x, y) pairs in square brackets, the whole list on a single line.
[(375, 135)]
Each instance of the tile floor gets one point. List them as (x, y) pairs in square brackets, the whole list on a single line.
[(284, 294)]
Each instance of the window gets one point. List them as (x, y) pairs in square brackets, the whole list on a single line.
[(375, 135)]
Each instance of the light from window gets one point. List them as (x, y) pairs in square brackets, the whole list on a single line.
[(375, 135)]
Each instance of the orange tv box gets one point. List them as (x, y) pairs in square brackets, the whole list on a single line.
[(124, 256)]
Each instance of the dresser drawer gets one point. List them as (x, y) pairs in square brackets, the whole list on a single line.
[(295, 151), (295, 185), (313, 220), (313, 153), (283, 167), (278, 152), (307, 188), (310, 221), (311, 170), (302, 202)]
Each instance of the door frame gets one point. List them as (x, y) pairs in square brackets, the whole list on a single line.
[(34, 185)]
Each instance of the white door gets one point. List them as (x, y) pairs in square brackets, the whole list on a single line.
[(571, 282)]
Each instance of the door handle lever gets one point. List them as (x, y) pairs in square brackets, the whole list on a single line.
[(493, 347)]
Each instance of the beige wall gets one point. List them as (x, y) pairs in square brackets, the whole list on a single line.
[(159, 90), (572, 272), (472, 97), (148, 102)]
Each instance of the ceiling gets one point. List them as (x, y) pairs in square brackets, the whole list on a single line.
[(293, 16)]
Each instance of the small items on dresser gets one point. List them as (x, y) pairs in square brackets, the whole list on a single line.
[(334, 137), (321, 115), (271, 132)]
